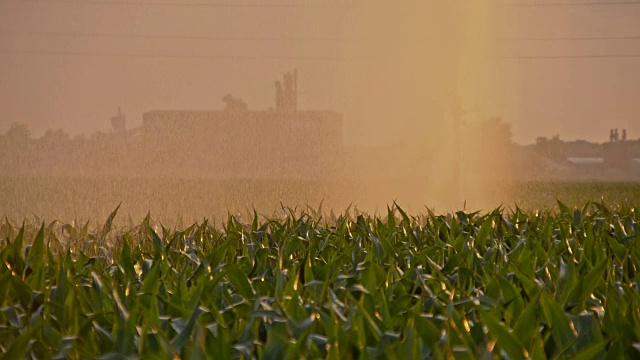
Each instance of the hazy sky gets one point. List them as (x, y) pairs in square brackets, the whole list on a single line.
[(573, 97), (70, 64)]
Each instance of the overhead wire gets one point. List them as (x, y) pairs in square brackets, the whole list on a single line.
[(292, 38), (281, 58), (164, 56), (576, 38), (572, 4), (191, 4), (560, 57), (280, 38), (177, 37), (325, 4)]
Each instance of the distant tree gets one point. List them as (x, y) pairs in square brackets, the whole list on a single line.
[(55, 144), (541, 141), (553, 148), (55, 137), (99, 137), (18, 132), (16, 150)]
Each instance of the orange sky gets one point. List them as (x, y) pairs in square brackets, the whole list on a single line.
[(358, 57)]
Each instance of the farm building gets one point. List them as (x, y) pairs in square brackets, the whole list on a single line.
[(237, 142)]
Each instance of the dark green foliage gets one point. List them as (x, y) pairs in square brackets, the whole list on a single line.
[(466, 285)]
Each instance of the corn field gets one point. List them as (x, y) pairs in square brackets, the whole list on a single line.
[(501, 284)]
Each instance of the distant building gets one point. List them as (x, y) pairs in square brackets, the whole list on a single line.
[(237, 142), (617, 155)]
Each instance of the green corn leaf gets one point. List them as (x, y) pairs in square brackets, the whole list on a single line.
[(19, 347), (505, 338), (561, 328), (587, 284), (239, 281)]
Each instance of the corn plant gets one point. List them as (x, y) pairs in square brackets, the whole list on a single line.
[(501, 284)]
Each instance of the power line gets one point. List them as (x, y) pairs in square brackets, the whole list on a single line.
[(187, 57), (179, 37), (279, 38), (230, 4), (577, 38), (311, 6), (198, 4), (280, 58), (565, 4), (561, 57)]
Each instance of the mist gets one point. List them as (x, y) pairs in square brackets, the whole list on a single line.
[(418, 103)]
